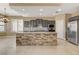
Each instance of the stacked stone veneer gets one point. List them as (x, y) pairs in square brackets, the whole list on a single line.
[(33, 39)]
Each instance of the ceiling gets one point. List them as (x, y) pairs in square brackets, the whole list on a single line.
[(38, 9)]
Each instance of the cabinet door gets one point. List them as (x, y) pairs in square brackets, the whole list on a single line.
[(26, 23)]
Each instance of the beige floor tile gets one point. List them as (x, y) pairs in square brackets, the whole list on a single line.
[(8, 47), (62, 48)]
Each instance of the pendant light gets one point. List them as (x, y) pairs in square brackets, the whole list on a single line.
[(5, 17)]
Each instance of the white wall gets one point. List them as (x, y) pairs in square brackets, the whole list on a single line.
[(60, 28)]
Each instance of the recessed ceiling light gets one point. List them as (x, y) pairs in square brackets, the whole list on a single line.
[(59, 10), (41, 9), (23, 9)]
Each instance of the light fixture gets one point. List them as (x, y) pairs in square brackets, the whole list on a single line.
[(41, 9), (59, 10), (23, 9), (5, 17)]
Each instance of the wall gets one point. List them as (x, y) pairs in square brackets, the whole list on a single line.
[(60, 26)]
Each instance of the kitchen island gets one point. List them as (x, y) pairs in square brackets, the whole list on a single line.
[(36, 38)]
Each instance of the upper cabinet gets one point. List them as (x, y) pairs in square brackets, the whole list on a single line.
[(35, 23)]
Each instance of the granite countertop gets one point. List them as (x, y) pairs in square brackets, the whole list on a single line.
[(36, 38), (37, 32)]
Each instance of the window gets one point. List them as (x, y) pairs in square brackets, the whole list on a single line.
[(1, 26)]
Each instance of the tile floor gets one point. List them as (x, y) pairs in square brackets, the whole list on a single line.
[(8, 47)]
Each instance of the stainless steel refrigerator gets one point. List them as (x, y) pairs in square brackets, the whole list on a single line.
[(73, 30)]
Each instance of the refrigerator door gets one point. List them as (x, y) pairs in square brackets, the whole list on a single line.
[(72, 32), (68, 32)]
